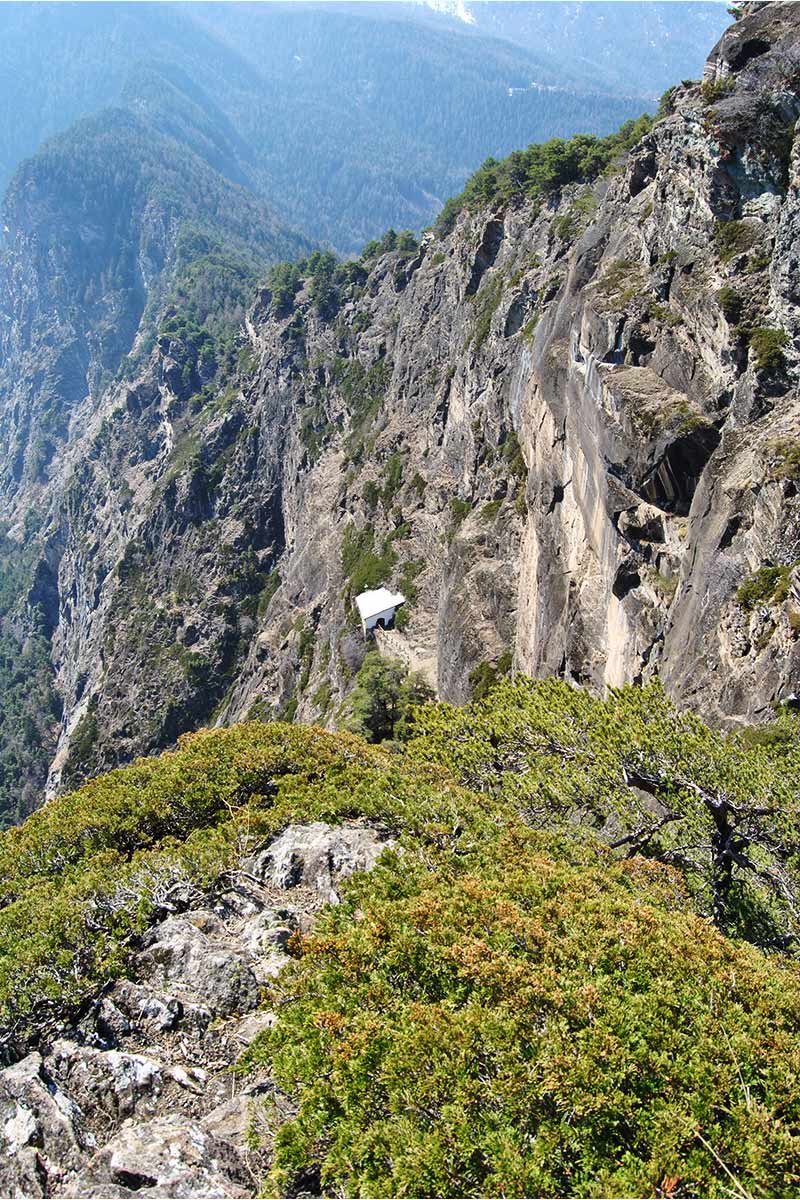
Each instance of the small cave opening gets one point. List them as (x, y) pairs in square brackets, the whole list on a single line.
[(134, 1181), (672, 481), (731, 529), (617, 354), (752, 48), (626, 580), (640, 349)]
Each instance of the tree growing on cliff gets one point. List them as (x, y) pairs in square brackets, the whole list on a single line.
[(652, 780), (383, 697)]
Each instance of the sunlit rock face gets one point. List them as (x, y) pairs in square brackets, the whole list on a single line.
[(567, 431)]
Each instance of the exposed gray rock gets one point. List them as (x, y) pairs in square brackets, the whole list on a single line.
[(41, 1130), (319, 856), (140, 1097), (139, 1008), (113, 1082), (167, 1156), (190, 956)]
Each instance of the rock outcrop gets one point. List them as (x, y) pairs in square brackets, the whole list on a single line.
[(138, 1096)]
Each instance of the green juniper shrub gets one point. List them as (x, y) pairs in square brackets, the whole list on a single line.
[(459, 511), (322, 697), (731, 302), (392, 478), (363, 565), (527, 996), (82, 743), (531, 1019), (273, 582), (371, 494), (735, 237), (768, 347), (666, 103), (650, 777), (418, 484), (712, 90), (490, 510), (512, 453), (87, 871), (487, 301), (768, 585), (485, 675)]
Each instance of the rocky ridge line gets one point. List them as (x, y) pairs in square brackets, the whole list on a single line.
[(138, 1097)]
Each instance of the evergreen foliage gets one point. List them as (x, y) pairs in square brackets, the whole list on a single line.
[(650, 779), (205, 309), (542, 169), (383, 697), (531, 1019), (87, 871), (513, 1002)]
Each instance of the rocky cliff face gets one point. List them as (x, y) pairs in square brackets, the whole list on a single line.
[(668, 413), (139, 1095), (568, 430), (96, 227)]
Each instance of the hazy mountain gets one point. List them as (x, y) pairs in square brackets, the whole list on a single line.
[(347, 118), (98, 225), (636, 47)]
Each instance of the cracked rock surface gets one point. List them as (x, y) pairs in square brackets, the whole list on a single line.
[(138, 1097)]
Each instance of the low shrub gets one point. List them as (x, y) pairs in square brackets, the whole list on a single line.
[(735, 237), (731, 302), (768, 347), (86, 872), (459, 509), (485, 675), (712, 90), (530, 1020), (364, 566), (768, 585)]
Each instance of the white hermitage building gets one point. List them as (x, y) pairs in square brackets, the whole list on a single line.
[(378, 608)]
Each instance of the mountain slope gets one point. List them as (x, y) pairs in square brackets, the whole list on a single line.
[(346, 119), (564, 425), (97, 226)]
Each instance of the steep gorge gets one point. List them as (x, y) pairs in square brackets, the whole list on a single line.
[(568, 428)]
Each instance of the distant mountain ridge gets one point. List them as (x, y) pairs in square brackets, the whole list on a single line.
[(347, 118), (641, 46)]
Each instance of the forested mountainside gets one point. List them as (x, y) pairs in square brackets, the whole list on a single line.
[(537, 934), (347, 119), (564, 424), (98, 227)]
